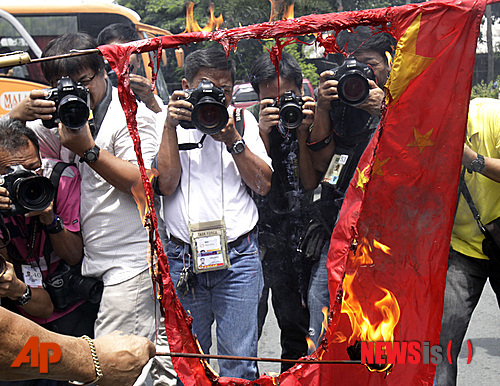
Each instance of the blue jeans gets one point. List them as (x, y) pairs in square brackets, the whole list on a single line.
[(230, 297), (465, 281), (318, 297)]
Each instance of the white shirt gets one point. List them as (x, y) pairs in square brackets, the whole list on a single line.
[(198, 197), (116, 243)]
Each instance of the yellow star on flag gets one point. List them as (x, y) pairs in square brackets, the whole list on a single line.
[(407, 65), (362, 178), (421, 141), (377, 166)]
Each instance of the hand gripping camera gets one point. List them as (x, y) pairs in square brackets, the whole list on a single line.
[(27, 190), (209, 114), (353, 87), (72, 104), (290, 106)]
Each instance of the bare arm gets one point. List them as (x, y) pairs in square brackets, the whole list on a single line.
[(67, 245), (491, 165), (254, 171), (33, 107), (373, 103), (142, 87), (327, 92), (123, 175), (309, 176), (268, 117), (168, 161), (13, 288), (121, 356)]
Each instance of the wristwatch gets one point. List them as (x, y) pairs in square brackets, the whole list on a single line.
[(23, 300), (477, 165), (91, 155), (237, 147), (58, 227)]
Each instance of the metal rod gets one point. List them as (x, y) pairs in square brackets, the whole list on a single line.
[(70, 54), (230, 357)]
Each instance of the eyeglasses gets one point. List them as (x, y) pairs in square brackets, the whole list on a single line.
[(86, 81)]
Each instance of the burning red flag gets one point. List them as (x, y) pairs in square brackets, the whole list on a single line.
[(405, 189), (402, 195)]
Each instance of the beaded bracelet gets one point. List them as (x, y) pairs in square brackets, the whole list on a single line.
[(97, 365)]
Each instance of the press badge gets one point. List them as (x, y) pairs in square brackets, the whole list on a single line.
[(209, 246), (32, 276), (334, 170)]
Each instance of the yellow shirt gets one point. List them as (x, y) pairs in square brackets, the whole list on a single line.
[(483, 136)]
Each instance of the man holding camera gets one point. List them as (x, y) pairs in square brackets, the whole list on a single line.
[(471, 263), (209, 212), (284, 117), (116, 243), (40, 233), (348, 110)]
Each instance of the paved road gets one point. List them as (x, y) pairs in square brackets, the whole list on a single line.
[(484, 334)]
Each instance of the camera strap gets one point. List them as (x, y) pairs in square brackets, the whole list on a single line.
[(99, 112), (239, 125), (192, 145)]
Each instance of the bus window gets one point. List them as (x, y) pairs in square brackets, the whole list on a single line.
[(49, 20)]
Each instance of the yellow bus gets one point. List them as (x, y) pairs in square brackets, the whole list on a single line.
[(28, 25)]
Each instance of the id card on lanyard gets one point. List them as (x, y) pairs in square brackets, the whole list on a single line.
[(209, 246)]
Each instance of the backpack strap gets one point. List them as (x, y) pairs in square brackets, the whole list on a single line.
[(55, 176)]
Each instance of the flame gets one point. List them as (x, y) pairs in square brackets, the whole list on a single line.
[(389, 58), (339, 337), (289, 12), (360, 256), (193, 26), (386, 310), (324, 326), (140, 195), (382, 247), (310, 344), (279, 7)]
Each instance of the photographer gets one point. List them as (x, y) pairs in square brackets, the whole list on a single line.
[(344, 124), (206, 194), (39, 243), (116, 243), (284, 117), (470, 262), (120, 33)]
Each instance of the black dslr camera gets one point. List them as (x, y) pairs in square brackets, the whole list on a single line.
[(290, 106), (353, 87), (209, 114), (27, 190), (72, 104), (66, 286)]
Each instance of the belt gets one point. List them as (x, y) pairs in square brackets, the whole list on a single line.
[(232, 244)]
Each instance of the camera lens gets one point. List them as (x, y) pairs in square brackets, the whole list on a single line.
[(291, 115), (88, 288), (353, 89), (34, 193), (209, 116), (73, 112)]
